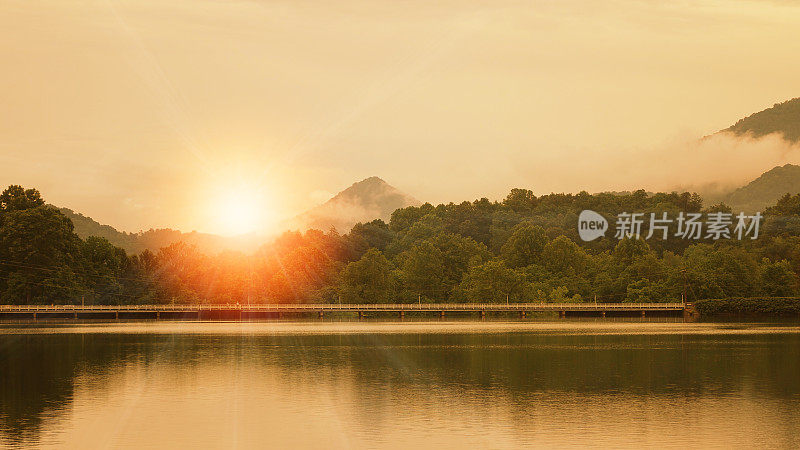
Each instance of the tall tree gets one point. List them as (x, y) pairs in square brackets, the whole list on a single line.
[(40, 257), (368, 280), (524, 246), (17, 198), (491, 282)]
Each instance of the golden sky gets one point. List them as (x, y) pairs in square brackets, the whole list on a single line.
[(148, 113)]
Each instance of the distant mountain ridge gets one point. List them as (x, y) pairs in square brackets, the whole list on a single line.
[(364, 201), (765, 190), (154, 239), (783, 118), (86, 226)]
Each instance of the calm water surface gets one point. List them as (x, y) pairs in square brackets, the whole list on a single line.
[(403, 385)]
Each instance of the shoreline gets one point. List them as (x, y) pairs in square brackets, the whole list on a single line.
[(288, 328)]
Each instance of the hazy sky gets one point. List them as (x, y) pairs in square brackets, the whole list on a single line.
[(153, 113)]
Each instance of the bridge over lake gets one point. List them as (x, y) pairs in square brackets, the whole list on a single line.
[(267, 311)]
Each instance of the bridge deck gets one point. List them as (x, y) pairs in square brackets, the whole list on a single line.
[(277, 308)]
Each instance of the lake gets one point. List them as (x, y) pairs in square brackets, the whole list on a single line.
[(455, 384)]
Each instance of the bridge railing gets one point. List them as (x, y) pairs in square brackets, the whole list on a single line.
[(351, 307)]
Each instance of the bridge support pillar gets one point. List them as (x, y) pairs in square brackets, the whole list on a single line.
[(116, 315), (643, 314), (158, 314), (321, 314), (483, 314), (690, 314), (402, 314), (75, 315)]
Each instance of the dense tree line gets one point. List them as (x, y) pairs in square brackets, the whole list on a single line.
[(523, 249)]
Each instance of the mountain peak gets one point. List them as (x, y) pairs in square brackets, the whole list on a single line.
[(365, 186), (366, 200), (371, 180), (369, 189)]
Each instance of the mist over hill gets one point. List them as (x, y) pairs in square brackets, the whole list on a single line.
[(765, 190), (767, 141), (364, 201)]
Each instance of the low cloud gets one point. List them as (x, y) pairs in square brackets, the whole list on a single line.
[(722, 162), (711, 165)]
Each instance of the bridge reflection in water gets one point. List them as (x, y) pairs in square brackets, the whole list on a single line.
[(265, 311)]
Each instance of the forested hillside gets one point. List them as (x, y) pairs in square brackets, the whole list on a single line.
[(783, 118), (524, 248), (86, 226), (765, 190), (154, 239)]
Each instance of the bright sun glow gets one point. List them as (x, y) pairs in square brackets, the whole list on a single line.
[(240, 211)]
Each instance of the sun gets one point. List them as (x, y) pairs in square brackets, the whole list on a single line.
[(239, 211), (238, 215)]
